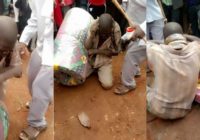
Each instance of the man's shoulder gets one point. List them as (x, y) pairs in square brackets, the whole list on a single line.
[(195, 45), (155, 47)]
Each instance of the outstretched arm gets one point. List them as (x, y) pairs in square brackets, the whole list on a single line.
[(191, 38)]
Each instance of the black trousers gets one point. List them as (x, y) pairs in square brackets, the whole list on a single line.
[(96, 11)]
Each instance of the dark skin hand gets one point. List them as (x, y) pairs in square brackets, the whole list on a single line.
[(138, 33), (5, 48), (106, 52), (6, 51)]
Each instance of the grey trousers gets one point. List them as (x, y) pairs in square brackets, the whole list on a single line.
[(40, 83), (155, 30), (134, 56)]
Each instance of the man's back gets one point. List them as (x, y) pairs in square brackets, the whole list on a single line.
[(176, 74)]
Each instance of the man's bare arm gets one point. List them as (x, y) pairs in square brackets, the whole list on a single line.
[(191, 38)]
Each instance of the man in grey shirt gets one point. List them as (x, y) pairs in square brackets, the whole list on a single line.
[(176, 66)]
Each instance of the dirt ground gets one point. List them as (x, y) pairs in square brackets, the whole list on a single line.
[(112, 117), (181, 129), (16, 97)]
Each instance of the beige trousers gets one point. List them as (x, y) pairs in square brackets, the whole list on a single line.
[(105, 76)]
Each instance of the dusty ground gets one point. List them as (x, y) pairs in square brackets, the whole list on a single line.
[(16, 98), (112, 117), (182, 129)]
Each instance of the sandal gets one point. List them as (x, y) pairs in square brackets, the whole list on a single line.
[(122, 89), (31, 133)]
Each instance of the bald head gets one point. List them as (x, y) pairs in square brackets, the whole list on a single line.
[(172, 28), (105, 24), (8, 30)]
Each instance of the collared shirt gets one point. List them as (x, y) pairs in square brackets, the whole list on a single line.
[(92, 42), (41, 23), (153, 11), (137, 11), (176, 75)]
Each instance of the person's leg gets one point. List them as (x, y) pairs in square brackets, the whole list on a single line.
[(105, 76), (193, 18), (167, 11), (96, 11), (134, 56), (150, 115), (40, 83), (148, 34), (92, 11), (33, 69), (156, 29), (42, 94), (100, 10), (176, 15)]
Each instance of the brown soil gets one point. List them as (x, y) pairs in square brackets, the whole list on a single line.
[(181, 129), (112, 117), (16, 97)]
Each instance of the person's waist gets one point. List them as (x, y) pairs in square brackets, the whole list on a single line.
[(173, 104)]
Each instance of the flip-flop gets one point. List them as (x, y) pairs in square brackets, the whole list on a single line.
[(31, 133), (122, 89)]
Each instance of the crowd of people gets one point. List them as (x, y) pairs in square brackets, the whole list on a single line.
[(162, 23), (29, 20)]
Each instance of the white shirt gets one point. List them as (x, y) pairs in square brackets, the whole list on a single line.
[(41, 22), (137, 11), (153, 11)]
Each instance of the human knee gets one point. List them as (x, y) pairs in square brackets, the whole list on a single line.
[(107, 85), (42, 91)]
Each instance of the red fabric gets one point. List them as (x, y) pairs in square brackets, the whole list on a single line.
[(68, 2), (58, 14), (97, 2)]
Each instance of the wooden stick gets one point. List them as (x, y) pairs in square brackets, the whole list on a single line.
[(130, 22), (115, 2)]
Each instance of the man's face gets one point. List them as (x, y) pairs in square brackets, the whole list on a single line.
[(5, 48)]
